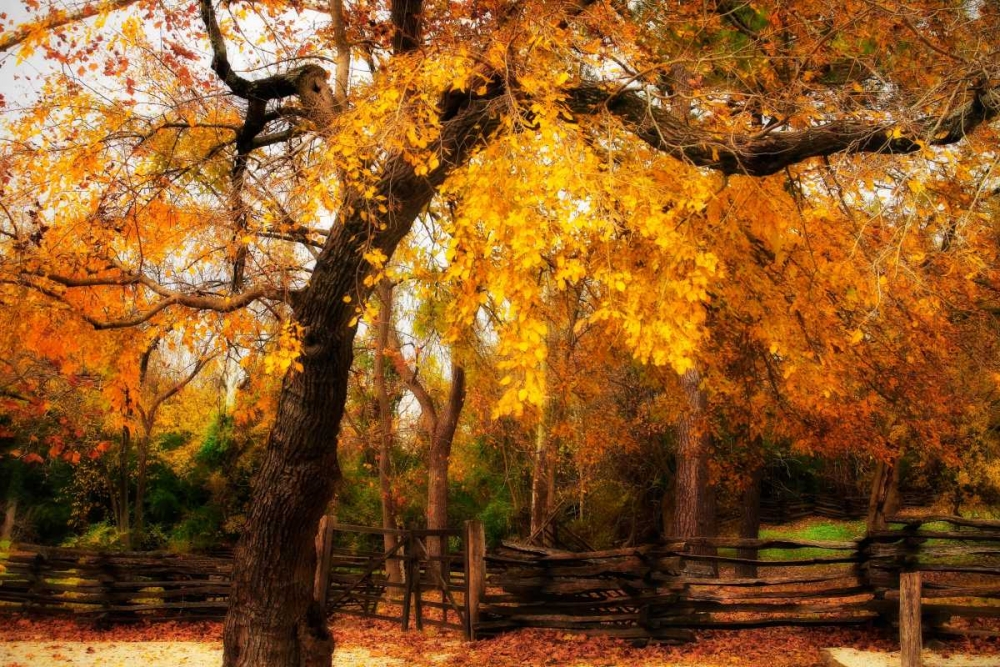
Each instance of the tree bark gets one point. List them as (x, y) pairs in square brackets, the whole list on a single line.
[(561, 344), (542, 471), (691, 485), (142, 460), (273, 620)]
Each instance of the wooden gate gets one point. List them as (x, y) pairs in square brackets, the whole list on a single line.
[(353, 574)]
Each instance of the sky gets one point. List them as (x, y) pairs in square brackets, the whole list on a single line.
[(13, 84)]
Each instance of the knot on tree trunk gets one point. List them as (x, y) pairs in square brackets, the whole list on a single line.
[(315, 94)]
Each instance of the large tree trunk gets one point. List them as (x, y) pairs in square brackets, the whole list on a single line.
[(272, 620), (691, 486), (393, 566), (694, 507)]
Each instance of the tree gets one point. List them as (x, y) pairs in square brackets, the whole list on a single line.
[(394, 568), (439, 421), (190, 196)]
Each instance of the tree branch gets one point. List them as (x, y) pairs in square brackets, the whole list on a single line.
[(58, 19), (221, 304), (767, 153), (406, 22), (412, 382)]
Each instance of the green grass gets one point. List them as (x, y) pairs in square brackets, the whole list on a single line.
[(816, 528)]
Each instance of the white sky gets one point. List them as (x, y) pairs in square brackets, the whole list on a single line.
[(13, 84)]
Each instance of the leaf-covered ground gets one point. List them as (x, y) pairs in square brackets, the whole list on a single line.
[(65, 643)]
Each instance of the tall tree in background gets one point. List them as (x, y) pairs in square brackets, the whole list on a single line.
[(197, 194)]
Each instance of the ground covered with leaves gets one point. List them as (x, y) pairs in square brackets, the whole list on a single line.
[(65, 643)]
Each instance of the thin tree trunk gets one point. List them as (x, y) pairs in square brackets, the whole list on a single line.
[(438, 458), (546, 459), (142, 459), (540, 472), (667, 508), (393, 567), (14, 490), (9, 518), (124, 531), (750, 520)]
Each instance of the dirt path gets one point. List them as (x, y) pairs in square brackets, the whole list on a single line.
[(149, 654), (364, 643)]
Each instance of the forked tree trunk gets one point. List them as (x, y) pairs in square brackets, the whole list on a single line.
[(438, 458), (440, 426), (883, 501)]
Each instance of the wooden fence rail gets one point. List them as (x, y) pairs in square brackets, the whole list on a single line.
[(115, 586), (661, 592)]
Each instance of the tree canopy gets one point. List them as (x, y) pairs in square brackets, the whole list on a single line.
[(791, 202)]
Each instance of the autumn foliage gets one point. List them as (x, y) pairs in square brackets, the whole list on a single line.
[(650, 248)]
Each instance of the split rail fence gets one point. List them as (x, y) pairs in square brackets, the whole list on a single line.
[(114, 587), (946, 568)]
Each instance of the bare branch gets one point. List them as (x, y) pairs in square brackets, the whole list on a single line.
[(767, 153), (412, 382), (217, 303)]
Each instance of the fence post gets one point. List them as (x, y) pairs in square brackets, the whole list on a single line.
[(475, 574), (324, 545), (910, 640)]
